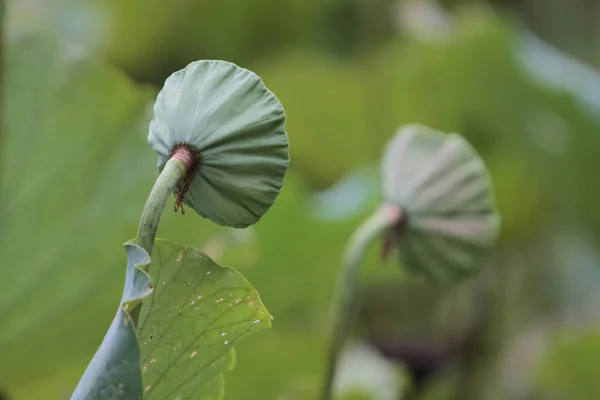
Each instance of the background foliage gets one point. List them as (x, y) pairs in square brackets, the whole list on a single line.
[(517, 77)]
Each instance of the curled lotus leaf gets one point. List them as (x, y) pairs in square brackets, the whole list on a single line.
[(444, 190), (236, 127)]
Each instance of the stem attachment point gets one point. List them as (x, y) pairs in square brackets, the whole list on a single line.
[(190, 158)]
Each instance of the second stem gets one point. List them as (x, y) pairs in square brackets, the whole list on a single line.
[(382, 219)]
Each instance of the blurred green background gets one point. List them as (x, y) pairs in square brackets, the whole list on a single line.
[(518, 78)]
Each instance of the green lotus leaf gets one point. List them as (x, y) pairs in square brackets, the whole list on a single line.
[(237, 127), (190, 324), (86, 161), (441, 184), (114, 372)]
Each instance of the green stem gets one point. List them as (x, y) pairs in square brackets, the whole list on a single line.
[(381, 220), (173, 172)]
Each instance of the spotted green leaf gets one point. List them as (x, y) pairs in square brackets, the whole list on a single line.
[(189, 324), (114, 372), (444, 189)]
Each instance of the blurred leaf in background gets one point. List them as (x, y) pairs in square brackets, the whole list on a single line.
[(72, 162), (569, 368)]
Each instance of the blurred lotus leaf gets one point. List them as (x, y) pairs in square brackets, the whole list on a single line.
[(75, 173), (325, 110), (188, 31), (444, 190)]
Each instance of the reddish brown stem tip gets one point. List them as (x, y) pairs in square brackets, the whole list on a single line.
[(397, 220), (189, 156)]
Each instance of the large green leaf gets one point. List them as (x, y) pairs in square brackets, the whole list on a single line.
[(75, 171), (190, 323)]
